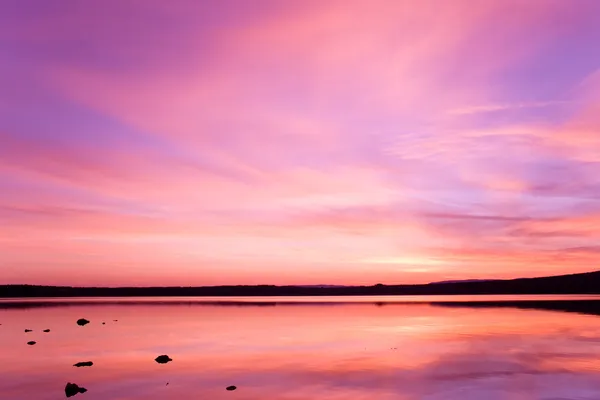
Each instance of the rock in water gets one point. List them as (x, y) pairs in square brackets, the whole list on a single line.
[(27, 330), (163, 359), (72, 389), (31, 343), (46, 330), (83, 364), (82, 322), (230, 388)]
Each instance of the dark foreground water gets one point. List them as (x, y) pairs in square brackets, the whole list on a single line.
[(430, 348)]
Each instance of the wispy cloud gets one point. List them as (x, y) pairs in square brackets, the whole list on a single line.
[(487, 108)]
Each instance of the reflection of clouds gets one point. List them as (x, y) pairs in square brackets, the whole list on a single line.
[(306, 352), (473, 366), (588, 338), (466, 374)]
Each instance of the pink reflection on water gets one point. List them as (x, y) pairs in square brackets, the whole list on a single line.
[(301, 351)]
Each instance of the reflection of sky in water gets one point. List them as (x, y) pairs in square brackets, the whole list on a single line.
[(351, 351)]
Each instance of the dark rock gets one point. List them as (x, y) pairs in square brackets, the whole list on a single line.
[(46, 330), (83, 364), (163, 359), (72, 389), (82, 322), (230, 388), (104, 323), (28, 330), (31, 343)]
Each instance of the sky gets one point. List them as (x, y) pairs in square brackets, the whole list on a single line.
[(145, 142)]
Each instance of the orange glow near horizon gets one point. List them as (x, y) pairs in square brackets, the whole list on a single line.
[(338, 142)]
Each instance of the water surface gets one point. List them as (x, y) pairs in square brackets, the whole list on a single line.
[(431, 347)]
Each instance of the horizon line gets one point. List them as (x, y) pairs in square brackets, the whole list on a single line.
[(324, 286)]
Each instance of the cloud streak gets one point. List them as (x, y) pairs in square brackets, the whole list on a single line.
[(504, 107)]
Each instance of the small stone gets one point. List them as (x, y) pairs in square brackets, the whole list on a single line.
[(115, 320), (163, 359), (72, 389), (104, 323), (46, 330), (230, 388), (31, 343), (83, 364), (82, 322), (28, 330)]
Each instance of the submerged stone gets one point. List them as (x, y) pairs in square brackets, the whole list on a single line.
[(230, 388), (31, 343), (72, 389), (28, 330), (163, 359), (46, 330), (82, 322), (83, 364)]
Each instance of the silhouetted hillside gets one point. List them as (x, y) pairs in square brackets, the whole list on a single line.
[(462, 281), (585, 283)]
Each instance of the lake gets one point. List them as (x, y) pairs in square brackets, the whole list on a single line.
[(334, 348)]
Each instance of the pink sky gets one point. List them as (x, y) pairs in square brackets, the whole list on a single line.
[(145, 142)]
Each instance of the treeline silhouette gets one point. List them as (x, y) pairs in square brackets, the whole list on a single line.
[(583, 283)]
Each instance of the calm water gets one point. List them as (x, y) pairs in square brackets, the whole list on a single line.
[(517, 348)]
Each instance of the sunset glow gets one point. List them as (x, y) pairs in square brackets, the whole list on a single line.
[(145, 142)]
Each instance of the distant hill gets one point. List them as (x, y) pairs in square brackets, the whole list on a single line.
[(462, 280), (584, 283), (321, 286)]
